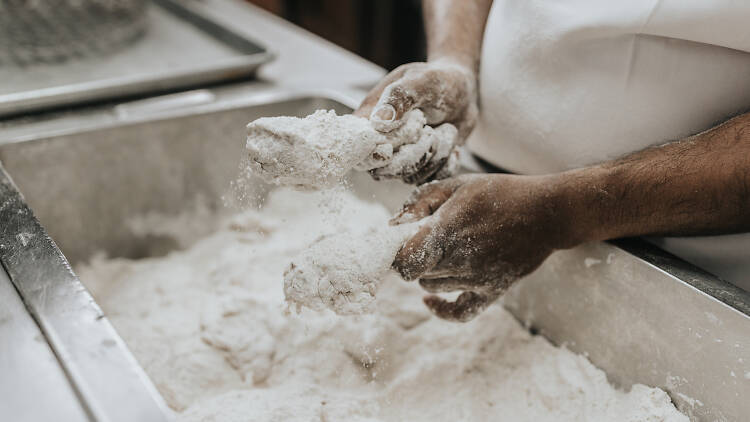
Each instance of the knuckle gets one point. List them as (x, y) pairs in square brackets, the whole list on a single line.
[(398, 93)]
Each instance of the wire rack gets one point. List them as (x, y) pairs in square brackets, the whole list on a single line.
[(55, 31)]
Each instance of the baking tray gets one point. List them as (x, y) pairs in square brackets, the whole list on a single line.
[(181, 48)]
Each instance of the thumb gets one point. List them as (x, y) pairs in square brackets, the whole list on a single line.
[(397, 99), (372, 98), (426, 199), (420, 253), (467, 306)]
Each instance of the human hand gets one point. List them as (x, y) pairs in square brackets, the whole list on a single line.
[(445, 92), (481, 233)]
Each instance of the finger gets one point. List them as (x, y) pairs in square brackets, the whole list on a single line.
[(400, 97), (445, 284), (409, 159), (418, 163), (380, 157), (372, 98), (426, 173), (425, 200), (450, 168), (442, 139), (419, 254), (467, 306)]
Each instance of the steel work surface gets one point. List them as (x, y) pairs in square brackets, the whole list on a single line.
[(26, 354), (179, 48), (639, 314)]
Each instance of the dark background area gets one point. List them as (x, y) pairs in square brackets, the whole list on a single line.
[(386, 32)]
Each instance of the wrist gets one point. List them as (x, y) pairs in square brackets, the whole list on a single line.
[(583, 206), (462, 62)]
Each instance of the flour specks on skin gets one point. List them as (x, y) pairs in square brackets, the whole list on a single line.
[(317, 151), (210, 325)]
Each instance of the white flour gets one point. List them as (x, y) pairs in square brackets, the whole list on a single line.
[(317, 151), (210, 326)]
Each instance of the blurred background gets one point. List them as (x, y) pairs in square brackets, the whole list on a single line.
[(386, 32)]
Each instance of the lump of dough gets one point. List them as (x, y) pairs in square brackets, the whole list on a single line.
[(317, 151), (341, 271)]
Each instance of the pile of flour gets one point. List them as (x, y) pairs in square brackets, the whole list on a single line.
[(317, 151), (211, 328)]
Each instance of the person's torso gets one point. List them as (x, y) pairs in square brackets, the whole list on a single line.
[(565, 84)]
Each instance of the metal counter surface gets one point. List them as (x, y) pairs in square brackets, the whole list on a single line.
[(25, 355), (181, 48), (303, 59), (105, 376)]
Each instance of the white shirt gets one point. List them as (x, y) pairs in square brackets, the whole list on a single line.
[(569, 83)]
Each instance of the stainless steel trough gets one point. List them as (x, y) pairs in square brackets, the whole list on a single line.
[(638, 313)]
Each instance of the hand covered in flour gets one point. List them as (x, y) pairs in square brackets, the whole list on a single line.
[(445, 92), (480, 234)]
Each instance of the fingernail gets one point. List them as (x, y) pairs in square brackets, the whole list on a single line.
[(402, 218), (384, 113)]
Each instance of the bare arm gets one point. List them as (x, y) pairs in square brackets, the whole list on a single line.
[(455, 29), (484, 232), (697, 186)]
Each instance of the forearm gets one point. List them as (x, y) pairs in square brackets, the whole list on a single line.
[(455, 29), (696, 186)]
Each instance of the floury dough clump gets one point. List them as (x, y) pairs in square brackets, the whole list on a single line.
[(317, 151), (210, 325), (341, 271)]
